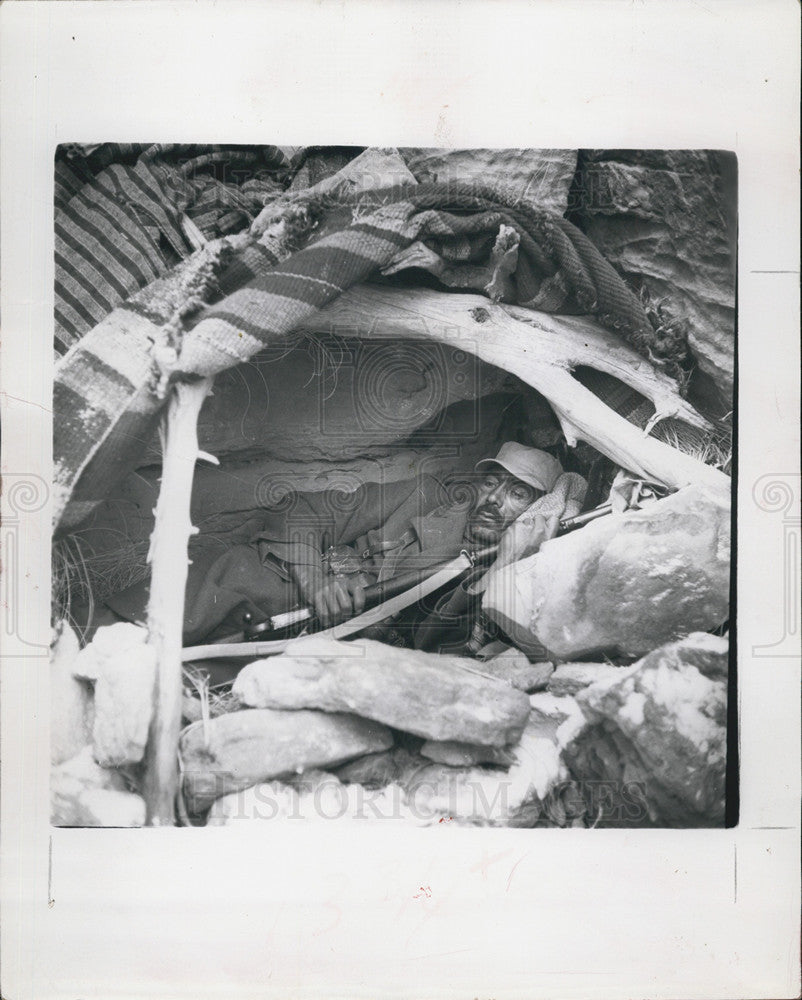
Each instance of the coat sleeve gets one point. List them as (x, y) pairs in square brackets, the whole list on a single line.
[(299, 530)]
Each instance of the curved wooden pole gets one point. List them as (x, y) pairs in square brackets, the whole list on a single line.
[(543, 358)]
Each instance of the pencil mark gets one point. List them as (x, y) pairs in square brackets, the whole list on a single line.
[(512, 870), (30, 402), (50, 901)]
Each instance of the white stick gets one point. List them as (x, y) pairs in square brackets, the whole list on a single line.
[(169, 563)]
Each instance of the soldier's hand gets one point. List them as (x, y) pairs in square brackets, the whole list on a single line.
[(357, 592), (332, 600), (525, 536)]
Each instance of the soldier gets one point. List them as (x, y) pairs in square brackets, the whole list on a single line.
[(323, 550)]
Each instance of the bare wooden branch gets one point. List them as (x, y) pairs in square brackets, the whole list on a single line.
[(543, 358), (169, 563), (579, 340)]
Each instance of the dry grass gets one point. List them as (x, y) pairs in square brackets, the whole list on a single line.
[(214, 700), (711, 447), (70, 583)]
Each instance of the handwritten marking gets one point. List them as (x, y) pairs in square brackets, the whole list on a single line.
[(512, 870), (50, 901), (19, 399), (486, 862)]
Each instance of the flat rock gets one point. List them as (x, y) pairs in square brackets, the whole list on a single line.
[(374, 770), (546, 714), (624, 583), (82, 793), (124, 670), (480, 796), (246, 748), (514, 667), (666, 221), (570, 678), (658, 737), (71, 707), (107, 642), (465, 754), (436, 697)]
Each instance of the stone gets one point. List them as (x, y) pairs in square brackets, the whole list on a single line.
[(374, 770), (666, 220), (82, 793), (246, 748), (656, 740), (335, 400), (548, 712), (106, 642), (465, 754), (513, 667), (433, 696), (423, 794), (622, 584), (481, 796), (313, 796), (71, 707), (124, 669), (191, 708), (570, 678), (542, 175)]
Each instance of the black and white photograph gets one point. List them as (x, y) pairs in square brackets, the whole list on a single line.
[(399, 500), (393, 484)]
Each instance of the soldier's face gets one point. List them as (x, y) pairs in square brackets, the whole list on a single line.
[(500, 499)]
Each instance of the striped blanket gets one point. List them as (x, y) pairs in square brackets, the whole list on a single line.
[(126, 214), (236, 296)]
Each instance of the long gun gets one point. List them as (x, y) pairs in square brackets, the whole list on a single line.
[(289, 622), (286, 623), (271, 635)]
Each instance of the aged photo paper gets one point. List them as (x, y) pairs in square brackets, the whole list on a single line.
[(400, 484)]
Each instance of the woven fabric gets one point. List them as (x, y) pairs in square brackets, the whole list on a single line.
[(120, 218), (105, 395)]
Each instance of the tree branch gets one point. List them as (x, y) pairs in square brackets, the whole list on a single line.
[(543, 358)]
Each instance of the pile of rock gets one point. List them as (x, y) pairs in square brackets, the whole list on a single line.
[(101, 705), (364, 731), (623, 585), (382, 732), (431, 739), (421, 727)]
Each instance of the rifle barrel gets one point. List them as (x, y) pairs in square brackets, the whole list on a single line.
[(376, 593)]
